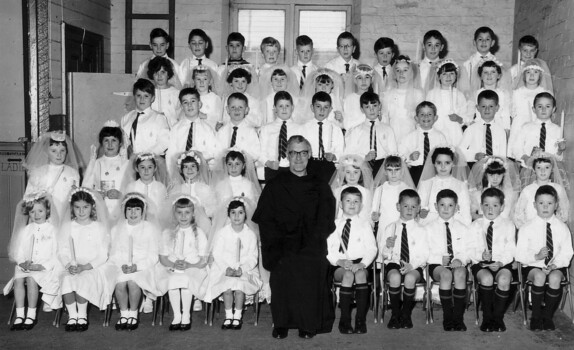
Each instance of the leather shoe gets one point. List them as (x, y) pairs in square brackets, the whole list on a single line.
[(447, 326), (185, 327), (487, 326), (82, 327), (536, 324), (499, 326), (236, 324), (548, 324), (226, 324), (406, 322), (71, 325), (394, 323), (122, 324), (280, 333), (18, 326), (305, 334), (174, 327), (360, 327), (133, 324), (345, 328), (460, 327)]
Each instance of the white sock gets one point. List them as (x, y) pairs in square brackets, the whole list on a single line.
[(229, 313), (72, 310), (30, 316), (134, 314), (20, 312), (124, 313), (174, 300), (237, 314), (186, 297), (83, 310)]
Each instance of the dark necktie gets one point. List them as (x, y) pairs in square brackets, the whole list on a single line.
[(449, 241), (283, 141), (189, 144), (542, 143), (321, 146), (426, 147), (347, 67), (373, 137), (345, 236), (489, 234), (549, 244), (384, 72), (405, 245), (233, 137), (303, 76), (488, 140), (135, 128), (199, 61)]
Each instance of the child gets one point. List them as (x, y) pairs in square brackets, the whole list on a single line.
[(305, 65), (354, 171), (389, 183), (159, 42), (272, 81), (52, 165), (106, 172), (445, 169), (484, 138), (166, 96), (351, 249), (134, 252), (492, 259), (270, 49), (326, 138), (544, 171), (545, 247), (404, 259), (484, 42), (346, 45), (83, 251), (191, 132), (371, 139), (324, 80), (240, 179), (234, 271), (204, 79), (401, 97), (362, 82), (385, 50), (198, 42), (241, 79), (147, 176), (527, 50), (415, 147), (434, 48), (145, 130), (492, 77), (33, 247), (275, 134), (450, 246), (452, 108), (182, 256), (235, 47)]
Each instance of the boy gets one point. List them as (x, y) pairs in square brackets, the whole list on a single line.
[(385, 50), (238, 133), (404, 249), (528, 50), (433, 46), (416, 146), (270, 49), (235, 47), (540, 135), (326, 138), (145, 130), (352, 248), (346, 45), (484, 41), (191, 132), (484, 138), (449, 248), (492, 259), (239, 79), (372, 139), (275, 134), (305, 65), (159, 42), (198, 42), (545, 248)]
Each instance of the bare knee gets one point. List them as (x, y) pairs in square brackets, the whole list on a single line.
[(459, 275), (554, 279), (485, 278), (394, 278), (361, 276), (537, 277), (503, 279), (348, 278), (411, 278), (446, 276)]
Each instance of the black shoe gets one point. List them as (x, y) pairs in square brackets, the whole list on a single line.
[(29, 326), (499, 326), (185, 327), (71, 325), (174, 327), (394, 323), (447, 326), (122, 324), (360, 327), (82, 327), (460, 327), (236, 324), (345, 328), (280, 333), (19, 326), (133, 324), (226, 325), (487, 325), (306, 334), (406, 322), (536, 324), (548, 324)]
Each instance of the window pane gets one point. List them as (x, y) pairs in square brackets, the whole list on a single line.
[(258, 24), (323, 27)]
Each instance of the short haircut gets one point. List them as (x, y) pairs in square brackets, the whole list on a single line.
[(482, 30), (197, 32), (351, 190), (324, 79), (528, 40), (144, 85), (487, 95), (185, 203), (232, 155), (369, 98), (156, 64), (238, 96), (393, 161), (239, 73), (187, 160), (236, 36), (447, 193), (298, 139), (201, 70), (303, 40), (28, 206), (546, 189), (113, 131), (492, 192), (55, 142), (383, 43), (544, 95), (540, 160), (321, 96), (133, 202), (346, 35), (234, 204), (434, 34), (279, 72), (282, 95), (409, 193), (159, 33), (426, 104), (188, 91), (447, 67), (442, 150), (489, 64), (270, 41)]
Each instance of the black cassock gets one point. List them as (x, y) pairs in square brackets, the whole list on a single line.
[(295, 216)]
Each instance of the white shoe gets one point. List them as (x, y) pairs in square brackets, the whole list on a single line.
[(147, 306), (197, 305)]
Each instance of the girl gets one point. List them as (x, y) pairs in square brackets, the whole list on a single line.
[(108, 165), (234, 269), (493, 77), (148, 177), (354, 171), (83, 250), (33, 248), (240, 179), (498, 173), (327, 80), (445, 168), (450, 102), (363, 81), (211, 104), (402, 96), (166, 100), (241, 78), (182, 256), (134, 253), (53, 164)]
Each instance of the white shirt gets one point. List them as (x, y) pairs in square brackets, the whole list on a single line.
[(529, 137), (246, 140), (525, 210), (462, 241), (474, 140), (167, 103), (428, 189), (187, 65), (415, 142), (418, 243), (379, 69), (357, 140), (448, 102), (502, 117), (152, 132), (352, 115), (425, 69), (338, 64), (310, 67), (333, 139), (385, 201), (522, 113), (269, 136), (532, 238), (361, 245), (503, 239)]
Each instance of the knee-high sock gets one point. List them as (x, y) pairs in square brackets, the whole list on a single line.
[(447, 304), (486, 295), (186, 298), (500, 303), (537, 295), (551, 299), (395, 298), (175, 301), (408, 301), (345, 300), (459, 303), (362, 298)]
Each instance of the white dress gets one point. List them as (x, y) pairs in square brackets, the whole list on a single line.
[(202, 192), (44, 252), (385, 201), (155, 191), (428, 190), (401, 119), (448, 102), (365, 213), (167, 103), (352, 115), (211, 106), (57, 180), (225, 254), (235, 186)]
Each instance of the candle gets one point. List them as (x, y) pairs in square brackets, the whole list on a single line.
[(470, 75), (418, 54), (519, 60), (181, 243), (32, 241), (562, 124), (451, 99), (159, 108), (72, 251), (131, 250), (238, 250)]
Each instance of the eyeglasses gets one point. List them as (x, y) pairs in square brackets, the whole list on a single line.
[(302, 154), (345, 47)]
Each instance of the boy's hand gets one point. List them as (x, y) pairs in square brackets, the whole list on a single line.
[(475, 215), (93, 152), (446, 260), (330, 157), (536, 151), (486, 255), (375, 216), (202, 115), (561, 146), (36, 267), (344, 263), (406, 267), (542, 254), (479, 156), (238, 272), (495, 266), (218, 126), (456, 263), (415, 155), (229, 272), (113, 194), (271, 164), (424, 213), (371, 156), (338, 116), (357, 267), (391, 241), (455, 118)]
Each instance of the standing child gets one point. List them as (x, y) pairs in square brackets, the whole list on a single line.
[(324, 80), (235, 47), (270, 50), (198, 42), (354, 171), (385, 51), (362, 82), (241, 79), (305, 65), (493, 77), (271, 81), (434, 49), (346, 45), (240, 179), (166, 96), (352, 249), (545, 248), (159, 42), (404, 259), (528, 50), (204, 79), (485, 43), (147, 176)]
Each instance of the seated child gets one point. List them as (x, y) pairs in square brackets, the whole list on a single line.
[(527, 50), (346, 45), (241, 79), (159, 42), (198, 42), (354, 171), (204, 79), (545, 248), (166, 96), (415, 146), (240, 179), (434, 45), (404, 259), (362, 82), (305, 65), (385, 51), (492, 259), (450, 248), (147, 175), (485, 43), (352, 248)]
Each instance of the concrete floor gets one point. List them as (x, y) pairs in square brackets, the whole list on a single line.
[(202, 336)]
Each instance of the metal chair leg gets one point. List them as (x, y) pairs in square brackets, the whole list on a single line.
[(256, 302), (12, 311)]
